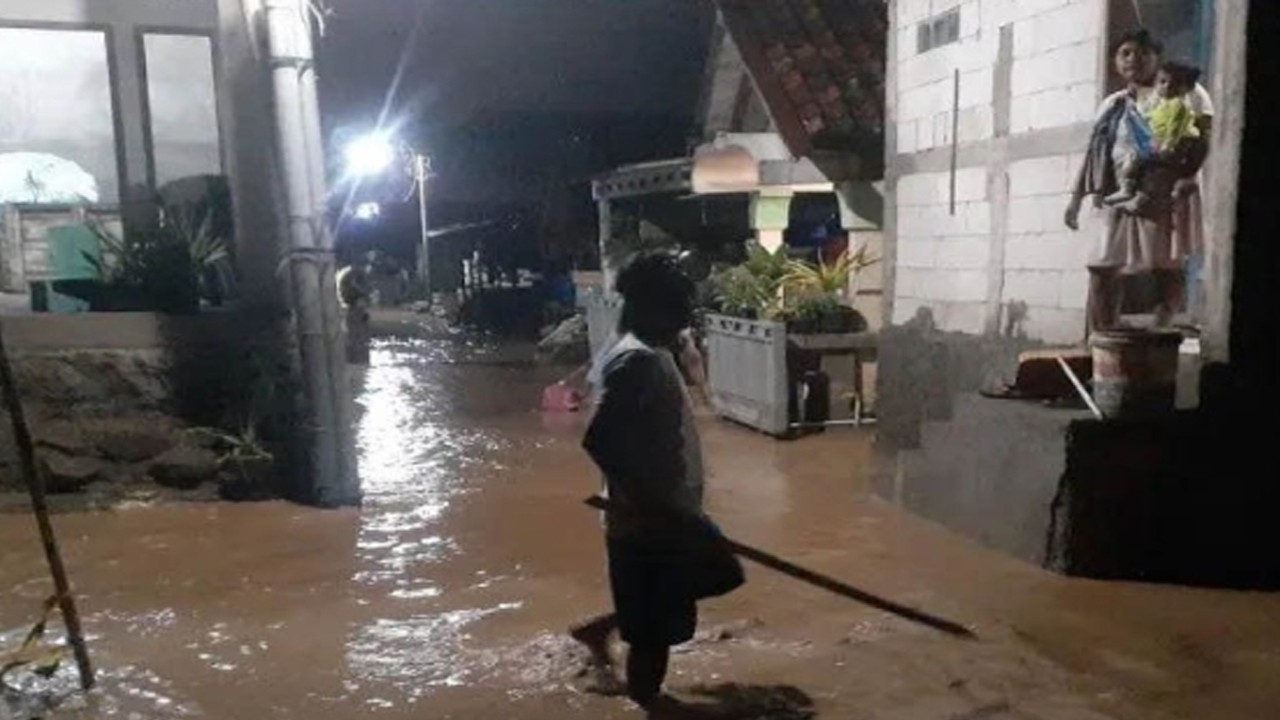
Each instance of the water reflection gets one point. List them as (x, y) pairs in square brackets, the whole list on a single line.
[(447, 594), (420, 453)]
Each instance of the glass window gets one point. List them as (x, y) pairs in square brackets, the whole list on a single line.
[(182, 98), (57, 131), (939, 30)]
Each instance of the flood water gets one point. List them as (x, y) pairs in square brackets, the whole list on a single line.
[(447, 595)]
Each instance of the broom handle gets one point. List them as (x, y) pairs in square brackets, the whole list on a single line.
[(39, 505), (773, 562)]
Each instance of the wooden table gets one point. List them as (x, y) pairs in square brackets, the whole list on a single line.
[(862, 346)]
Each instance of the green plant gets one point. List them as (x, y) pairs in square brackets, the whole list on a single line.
[(739, 292), (169, 265), (821, 279), (816, 308), (241, 446), (210, 253), (769, 266), (753, 288), (827, 279)]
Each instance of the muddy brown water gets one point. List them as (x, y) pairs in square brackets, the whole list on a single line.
[(446, 596)]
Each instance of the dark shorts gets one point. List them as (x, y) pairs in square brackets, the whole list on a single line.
[(650, 595)]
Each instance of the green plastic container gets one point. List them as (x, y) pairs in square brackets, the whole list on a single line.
[(71, 250)]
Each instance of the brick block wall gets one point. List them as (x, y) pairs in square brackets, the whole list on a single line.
[(949, 262)]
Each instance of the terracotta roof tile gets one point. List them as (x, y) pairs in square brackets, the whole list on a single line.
[(820, 67)]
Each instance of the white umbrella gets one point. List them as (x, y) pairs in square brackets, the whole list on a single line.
[(41, 178)]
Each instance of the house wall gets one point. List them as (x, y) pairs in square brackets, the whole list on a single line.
[(177, 135), (1042, 483), (983, 137), (1002, 116), (122, 21), (247, 118)]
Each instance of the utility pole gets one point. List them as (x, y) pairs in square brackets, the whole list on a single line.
[(421, 173), (327, 418)]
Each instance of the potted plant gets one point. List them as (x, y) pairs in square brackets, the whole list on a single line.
[(166, 267), (818, 290), (753, 289), (208, 253)]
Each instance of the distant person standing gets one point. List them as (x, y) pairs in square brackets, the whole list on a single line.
[(1158, 236), (355, 292), (663, 551)]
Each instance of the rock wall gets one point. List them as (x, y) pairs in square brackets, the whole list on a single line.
[(119, 421)]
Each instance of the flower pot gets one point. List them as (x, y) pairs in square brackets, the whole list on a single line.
[(842, 320)]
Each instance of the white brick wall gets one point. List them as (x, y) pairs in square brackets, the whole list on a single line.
[(923, 189), (943, 258), (1060, 67), (1041, 176), (963, 253), (915, 253), (1054, 73), (1033, 287), (944, 285), (1055, 325)]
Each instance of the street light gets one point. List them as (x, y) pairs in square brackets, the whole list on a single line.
[(377, 153), (370, 155)]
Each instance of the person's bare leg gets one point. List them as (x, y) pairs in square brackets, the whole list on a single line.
[(594, 634), (1126, 194), (1104, 299)]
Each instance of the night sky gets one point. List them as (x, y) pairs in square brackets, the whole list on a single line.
[(547, 55), (496, 90)]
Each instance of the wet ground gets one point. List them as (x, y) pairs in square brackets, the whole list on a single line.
[(447, 595)]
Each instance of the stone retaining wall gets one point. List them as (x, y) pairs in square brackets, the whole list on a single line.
[(110, 396)]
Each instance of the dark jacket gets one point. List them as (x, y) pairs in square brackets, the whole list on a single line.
[(1099, 170)]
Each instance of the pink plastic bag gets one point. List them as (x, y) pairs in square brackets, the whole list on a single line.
[(561, 398)]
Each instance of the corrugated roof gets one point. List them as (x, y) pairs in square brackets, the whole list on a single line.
[(819, 64)]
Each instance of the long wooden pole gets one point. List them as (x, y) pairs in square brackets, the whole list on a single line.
[(773, 562), (35, 488)]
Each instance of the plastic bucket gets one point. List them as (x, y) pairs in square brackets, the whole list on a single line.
[(1135, 372)]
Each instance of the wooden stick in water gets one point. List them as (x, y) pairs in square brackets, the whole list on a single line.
[(773, 562), (39, 505)]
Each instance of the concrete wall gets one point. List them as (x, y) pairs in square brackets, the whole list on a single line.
[(979, 266), (1012, 102), (1174, 500), (247, 117)]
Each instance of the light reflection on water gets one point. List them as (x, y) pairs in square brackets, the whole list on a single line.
[(420, 453)]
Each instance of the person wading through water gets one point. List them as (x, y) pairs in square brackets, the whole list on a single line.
[(664, 553)]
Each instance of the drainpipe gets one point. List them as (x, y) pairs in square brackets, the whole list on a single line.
[(327, 418)]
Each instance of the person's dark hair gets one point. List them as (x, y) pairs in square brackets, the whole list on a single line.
[(1141, 37), (657, 299), (1182, 74)]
